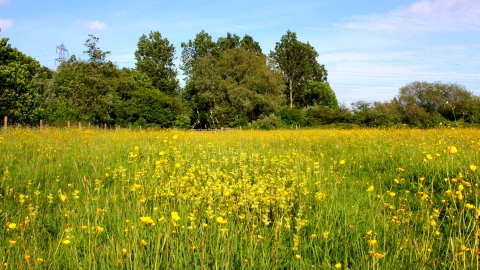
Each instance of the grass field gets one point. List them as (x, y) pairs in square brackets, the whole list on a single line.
[(313, 199)]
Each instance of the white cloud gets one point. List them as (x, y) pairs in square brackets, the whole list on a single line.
[(96, 25), (4, 24), (424, 15)]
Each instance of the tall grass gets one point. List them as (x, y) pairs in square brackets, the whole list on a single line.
[(316, 199)]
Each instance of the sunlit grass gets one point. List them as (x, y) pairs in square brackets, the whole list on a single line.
[(316, 199)]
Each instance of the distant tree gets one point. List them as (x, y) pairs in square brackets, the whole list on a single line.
[(319, 93), (155, 57), (96, 56), (420, 101), (233, 89), (85, 90), (201, 46), (298, 63)]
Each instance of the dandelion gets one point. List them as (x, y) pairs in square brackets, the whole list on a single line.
[(338, 265), (342, 162), (12, 226), (175, 216), (370, 189), (473, 168)]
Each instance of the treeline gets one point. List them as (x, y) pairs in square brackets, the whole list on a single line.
[(228, 83)]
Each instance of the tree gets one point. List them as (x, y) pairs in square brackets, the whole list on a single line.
[(200, 47), (298, 63), (233, 89), (319, 93), (433, 101), (96, 56), (155, 57), (19, 75), (86, 90)]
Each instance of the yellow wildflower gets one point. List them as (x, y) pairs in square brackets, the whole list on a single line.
[(147, 221), (452, 150), (175, 216), (473, 168), (221, 220), (370, 189)]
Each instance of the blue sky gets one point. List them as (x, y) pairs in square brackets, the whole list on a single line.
[(369, 48)]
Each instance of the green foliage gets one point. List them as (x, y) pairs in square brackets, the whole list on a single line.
[(155, 57), (267, 122), (298, 63), (319, 93), (232, 88), (20, 78), (426, 104), (291, 117), (322, 115)]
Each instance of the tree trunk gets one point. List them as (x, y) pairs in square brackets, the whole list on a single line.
[(291, 93)]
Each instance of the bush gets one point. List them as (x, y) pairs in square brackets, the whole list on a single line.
[(291, 117), (267, 122)]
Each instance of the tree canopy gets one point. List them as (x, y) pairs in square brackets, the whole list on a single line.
[(298, 63), (229, 82)]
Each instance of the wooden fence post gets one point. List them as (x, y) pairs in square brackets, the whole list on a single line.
[(41, 124), (104, 126), (68, 124), (80, 125), (5, 118), (89, 125)]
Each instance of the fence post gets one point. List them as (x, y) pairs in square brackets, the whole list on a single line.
[(104, 126), (68, 124), (80, 125), (89, 125), (5, 118), (41, 124)]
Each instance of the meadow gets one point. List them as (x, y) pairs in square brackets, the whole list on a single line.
[(292, 199)]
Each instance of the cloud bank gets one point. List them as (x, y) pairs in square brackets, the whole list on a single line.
[(424, 15)]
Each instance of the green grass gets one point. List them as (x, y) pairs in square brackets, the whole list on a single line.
[(288, 200)]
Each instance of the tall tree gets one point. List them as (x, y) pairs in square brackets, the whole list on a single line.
[(201, 46), (234, 88), (155, 57), (86, 90), (298, 63)]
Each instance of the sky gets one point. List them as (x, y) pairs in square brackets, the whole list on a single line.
[(370, 48)]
